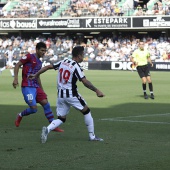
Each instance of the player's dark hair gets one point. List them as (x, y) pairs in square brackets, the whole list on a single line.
[(77, 50), (40, 45)]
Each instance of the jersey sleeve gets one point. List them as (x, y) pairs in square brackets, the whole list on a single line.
[(6, 52), (56, 65), (134, 54), (148, 54), (79, 72), (25, 59)]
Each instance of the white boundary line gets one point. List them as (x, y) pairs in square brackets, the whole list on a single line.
[(137, 121), (121, 119), (164, 114)]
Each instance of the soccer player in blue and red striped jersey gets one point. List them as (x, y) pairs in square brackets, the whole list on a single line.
[(32, 90)]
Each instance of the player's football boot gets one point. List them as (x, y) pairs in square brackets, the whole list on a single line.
[(44, 134), (58, 130), (152, 96), (96, 139), (145, 96), (18, 120)]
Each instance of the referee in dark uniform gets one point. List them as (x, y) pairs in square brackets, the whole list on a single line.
[(140, 59)]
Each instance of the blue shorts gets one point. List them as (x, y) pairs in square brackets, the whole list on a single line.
[(33, 95)]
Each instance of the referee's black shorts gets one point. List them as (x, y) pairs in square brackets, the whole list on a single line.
[(143, 71)]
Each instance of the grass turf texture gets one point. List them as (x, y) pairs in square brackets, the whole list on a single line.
[(136, 131)]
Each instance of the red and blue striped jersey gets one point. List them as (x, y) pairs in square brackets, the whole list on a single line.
[(31, 65)]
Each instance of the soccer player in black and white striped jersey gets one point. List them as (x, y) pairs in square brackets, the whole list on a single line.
[(69, 72), (9, 54)]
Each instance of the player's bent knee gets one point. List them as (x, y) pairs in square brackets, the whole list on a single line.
[(62, 119), (46, 106), (86, 112), (33, 110)]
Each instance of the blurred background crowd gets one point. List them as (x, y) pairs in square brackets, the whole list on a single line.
[(117, 48)]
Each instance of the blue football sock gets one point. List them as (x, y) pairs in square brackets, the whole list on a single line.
[(48, 112), (28, 111)]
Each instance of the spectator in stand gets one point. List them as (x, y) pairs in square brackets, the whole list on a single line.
[(5, 13), (153, 52), (145, 9), (47, 10), (135, 2), (165, 56), (48, 43), (161, 11), (12, 14), (116, 10), (167, 11), (102, 11), (114, 55), (139, 11), (1, 12), (53, 8), (121, 11), (168, 55), (155, 8), (100, 56), (49, 53), (93, 7)]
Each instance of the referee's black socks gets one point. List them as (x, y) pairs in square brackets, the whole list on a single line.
[(144, 88), (151, 87)]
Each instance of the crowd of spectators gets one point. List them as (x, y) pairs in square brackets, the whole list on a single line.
[(158, 8), (106, 8), (117, 48), (101, 8), (80, 8), (32, 9)]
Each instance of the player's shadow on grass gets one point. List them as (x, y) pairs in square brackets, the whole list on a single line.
[(140, 108), (8, 113), (75, 128), (142, 96)]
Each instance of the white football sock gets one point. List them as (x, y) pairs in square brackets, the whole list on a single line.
[(4, 68), (90, 125), (54, 124), (12, 72)]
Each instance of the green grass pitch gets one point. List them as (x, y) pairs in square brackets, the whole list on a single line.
[(136, 131)]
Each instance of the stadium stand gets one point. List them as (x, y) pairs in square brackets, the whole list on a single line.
[(80, 8), (107, 48), (63, 6), (117, 48)]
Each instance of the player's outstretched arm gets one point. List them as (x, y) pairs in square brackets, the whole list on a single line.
[(90, 86), (16, 70), (42, 70)]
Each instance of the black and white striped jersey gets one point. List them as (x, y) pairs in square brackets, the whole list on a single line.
[(10, 54), (69, 71)]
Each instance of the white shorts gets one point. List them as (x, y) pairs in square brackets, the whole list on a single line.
[(9, 63), (64, 104)]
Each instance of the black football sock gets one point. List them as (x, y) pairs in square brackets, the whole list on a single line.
[(144, 88), (151, 88)]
